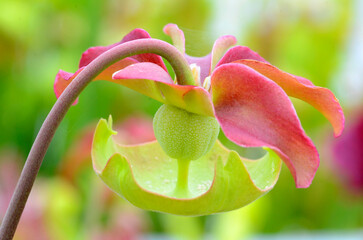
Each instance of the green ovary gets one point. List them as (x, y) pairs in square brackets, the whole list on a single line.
[(184, 135)]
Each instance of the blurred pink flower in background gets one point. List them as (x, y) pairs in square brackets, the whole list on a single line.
[(348, 154)]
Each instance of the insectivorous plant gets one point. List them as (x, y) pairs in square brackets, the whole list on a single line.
[(187, 171)]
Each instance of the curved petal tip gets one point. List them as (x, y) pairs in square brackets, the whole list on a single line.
[(254, 111)]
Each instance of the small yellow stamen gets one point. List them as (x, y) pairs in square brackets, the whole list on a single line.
[(196, 73), (206, 83)]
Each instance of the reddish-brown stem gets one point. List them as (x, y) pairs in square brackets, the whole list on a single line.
[(60, 108)]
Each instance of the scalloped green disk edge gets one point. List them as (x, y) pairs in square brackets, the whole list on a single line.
[(145, 176)]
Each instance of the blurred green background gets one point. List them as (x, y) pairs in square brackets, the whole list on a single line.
[(321, 40)]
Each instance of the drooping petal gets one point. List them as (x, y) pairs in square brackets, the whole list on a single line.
[(151, 80), (320, 98), (62, 80), (176, 35), (221, 45), (254, 111), (108, 72), (146, 176), (238, 53), (90, 54)]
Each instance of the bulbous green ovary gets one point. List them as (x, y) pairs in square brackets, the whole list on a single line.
[(184, 135)]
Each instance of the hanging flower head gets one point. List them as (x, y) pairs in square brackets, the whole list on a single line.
[(232, 87)]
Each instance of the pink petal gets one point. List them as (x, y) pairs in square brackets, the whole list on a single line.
[(253, 111), (90, 54), (177, 36), (62, 80), (320, 98), (221, 45), (238, 53), (151, 80), (143, 71), (108, 72)]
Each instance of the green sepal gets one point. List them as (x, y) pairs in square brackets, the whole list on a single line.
[(145, 176)]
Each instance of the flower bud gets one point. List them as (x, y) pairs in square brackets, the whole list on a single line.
[(184, 135)]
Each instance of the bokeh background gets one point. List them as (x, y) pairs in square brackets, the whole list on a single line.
[(321, 40)]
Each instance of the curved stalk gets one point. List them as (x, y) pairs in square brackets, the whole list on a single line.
[(60, 108)]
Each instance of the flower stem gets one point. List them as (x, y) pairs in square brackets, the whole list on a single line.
[(60, 108), (182, 188)]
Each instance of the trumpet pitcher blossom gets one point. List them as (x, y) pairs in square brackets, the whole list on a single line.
[(187, 171)]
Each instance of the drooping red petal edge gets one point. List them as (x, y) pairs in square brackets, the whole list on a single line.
[(244, 53), (151, 80), (238, 53), (254, 111), (90, 54), (320, 98), (62, 80), (143, 70), (220, 47)]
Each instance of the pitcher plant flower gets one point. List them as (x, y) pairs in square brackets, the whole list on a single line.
[(187, 171)]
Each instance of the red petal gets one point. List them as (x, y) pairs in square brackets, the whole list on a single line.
[(221, 45), (90, 54), (238, 53), (143, 71), (151, 80), (253, 111), (108, 72), (320, 98), (62, 80)]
